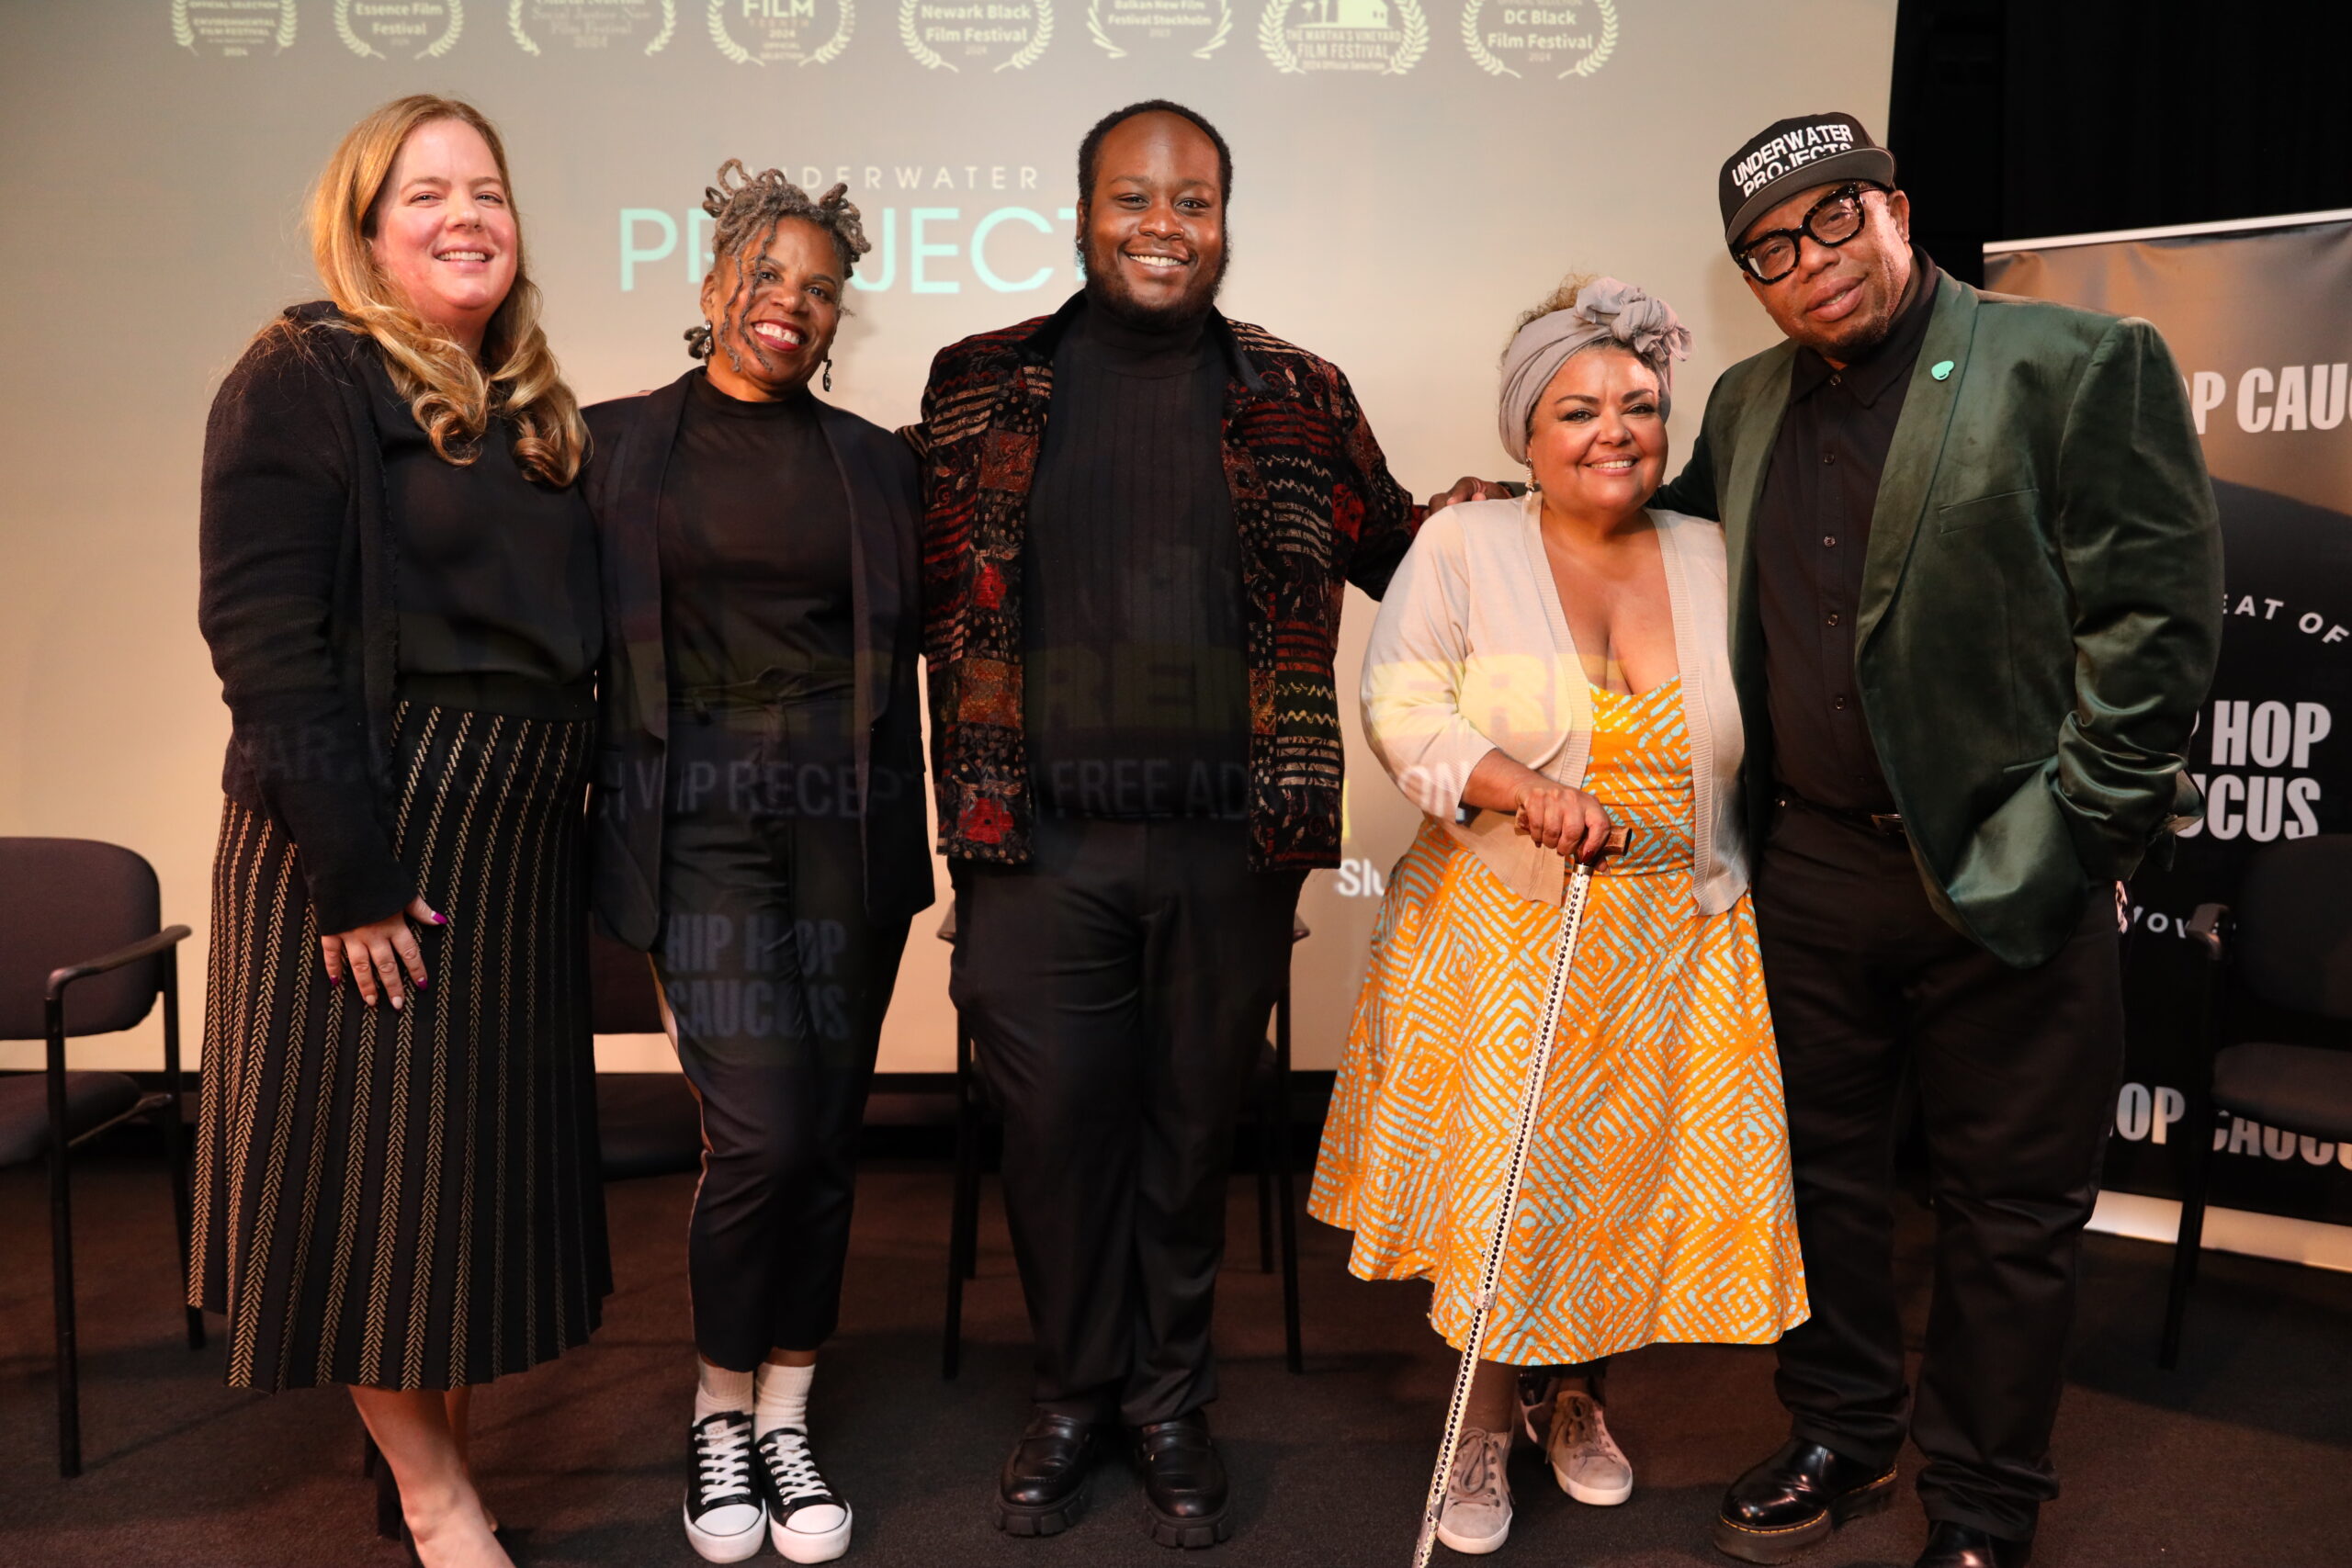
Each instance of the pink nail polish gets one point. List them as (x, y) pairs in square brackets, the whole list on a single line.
[(440, 919)]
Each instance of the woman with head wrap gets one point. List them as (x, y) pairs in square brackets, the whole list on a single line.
[(759, 824), (1541, 672)]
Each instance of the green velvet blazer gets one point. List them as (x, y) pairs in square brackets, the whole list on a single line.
[(2041, 602)]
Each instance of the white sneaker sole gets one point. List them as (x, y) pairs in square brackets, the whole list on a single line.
[(807, 1546), (1599, 1497), (741, 1547), (1473, 1545)]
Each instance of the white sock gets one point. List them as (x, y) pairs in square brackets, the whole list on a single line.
[(717, 1391), (782, 1399)]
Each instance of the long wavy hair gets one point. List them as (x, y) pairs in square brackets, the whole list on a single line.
[(453, 394)]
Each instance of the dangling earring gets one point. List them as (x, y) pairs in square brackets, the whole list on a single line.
[(828, 373), (1533, 488)]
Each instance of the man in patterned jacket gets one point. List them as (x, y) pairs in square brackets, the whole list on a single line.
[(1139, 521)]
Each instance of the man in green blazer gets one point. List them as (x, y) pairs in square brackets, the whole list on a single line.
[(1976, 593)]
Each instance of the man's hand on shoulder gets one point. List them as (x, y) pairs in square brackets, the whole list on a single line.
[(1469, 488)]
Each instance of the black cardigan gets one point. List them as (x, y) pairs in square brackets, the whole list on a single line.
[(297, 604), (631, 439)]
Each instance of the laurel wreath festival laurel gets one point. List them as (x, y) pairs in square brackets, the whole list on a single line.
[(1272, 38), (531, 45), (1224, 30), (1039, 37), (1094, 29), (1599, 55), (432, 50), (925, 56), (1411, 21), (184, 31), (1473, 40)]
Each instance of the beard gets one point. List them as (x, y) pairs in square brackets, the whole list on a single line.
[(1106, 291)]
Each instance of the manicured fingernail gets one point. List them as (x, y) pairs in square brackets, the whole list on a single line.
[(420, 985), (440, 919)]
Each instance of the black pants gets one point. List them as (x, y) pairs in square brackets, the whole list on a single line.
[(1118, 988), (776, 981), (2016, 1071)]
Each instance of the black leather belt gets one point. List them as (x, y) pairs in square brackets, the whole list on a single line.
[(1885, 824)]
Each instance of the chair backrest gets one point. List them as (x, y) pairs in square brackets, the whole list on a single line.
[(2294, 925), (67, 901), (622, 1000)]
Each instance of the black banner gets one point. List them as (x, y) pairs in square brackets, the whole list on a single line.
[(2256, 318)]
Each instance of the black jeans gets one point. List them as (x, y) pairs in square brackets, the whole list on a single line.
[(1118, 988), (2016, 1071), (778, 981)]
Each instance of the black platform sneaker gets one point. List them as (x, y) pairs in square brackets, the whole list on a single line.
[(725, 1505), (807, 1520)]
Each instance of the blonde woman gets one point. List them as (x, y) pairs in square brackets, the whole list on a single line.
[(1542, 671), (397, 1151)]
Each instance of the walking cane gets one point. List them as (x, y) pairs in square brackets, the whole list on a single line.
[(1523, 1133)]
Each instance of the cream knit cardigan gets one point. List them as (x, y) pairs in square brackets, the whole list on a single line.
[(1471, 654)]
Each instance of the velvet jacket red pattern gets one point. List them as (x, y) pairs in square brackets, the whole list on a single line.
[(1316, 508)]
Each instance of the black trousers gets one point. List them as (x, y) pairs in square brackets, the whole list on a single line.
[(776, 981), (1118, 988), (2016, 1072)]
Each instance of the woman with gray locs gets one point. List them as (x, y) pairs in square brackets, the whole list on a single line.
[(758, 821), (397, 1152)]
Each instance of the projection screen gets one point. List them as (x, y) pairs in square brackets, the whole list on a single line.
[(1410, 175)]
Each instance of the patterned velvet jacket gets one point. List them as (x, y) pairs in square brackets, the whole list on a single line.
[(1316, 508)]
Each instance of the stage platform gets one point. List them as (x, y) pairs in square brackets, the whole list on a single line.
[(2240, 1458)]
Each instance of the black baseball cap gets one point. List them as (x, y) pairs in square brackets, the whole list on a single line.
[(1791, 155)]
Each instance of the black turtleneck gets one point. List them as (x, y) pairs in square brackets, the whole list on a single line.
[(755, 530), (1136, 688)]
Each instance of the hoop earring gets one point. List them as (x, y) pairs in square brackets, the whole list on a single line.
[(829, 373)]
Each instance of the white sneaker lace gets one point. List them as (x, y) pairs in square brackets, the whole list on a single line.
[(722, 1458), (792, 1468)]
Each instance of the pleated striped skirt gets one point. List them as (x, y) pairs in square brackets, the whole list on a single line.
[(409, 1200)]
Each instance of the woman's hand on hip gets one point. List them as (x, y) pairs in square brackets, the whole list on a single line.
[(382, 957), (1560, 817)]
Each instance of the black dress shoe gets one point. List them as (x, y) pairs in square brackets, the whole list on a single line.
[(1184, 1483), (1794, 1499), (1953, 1545), (1042, 1486)]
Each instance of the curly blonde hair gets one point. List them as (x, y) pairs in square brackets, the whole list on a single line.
[(450, 394), (1563, 297), (748, 211)]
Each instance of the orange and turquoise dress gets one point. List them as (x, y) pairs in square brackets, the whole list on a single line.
[(1656, 1203)]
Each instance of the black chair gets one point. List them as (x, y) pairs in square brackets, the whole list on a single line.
[(2286, 946), (1277, 1204), (84, 951), (647, 1123)]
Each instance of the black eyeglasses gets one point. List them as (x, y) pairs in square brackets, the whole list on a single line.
[(1833, 219)]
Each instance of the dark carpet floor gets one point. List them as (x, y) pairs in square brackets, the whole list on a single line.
[(2241, 1458)]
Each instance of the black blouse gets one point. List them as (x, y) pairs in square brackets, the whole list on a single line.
[(496, 571), (755, 532)]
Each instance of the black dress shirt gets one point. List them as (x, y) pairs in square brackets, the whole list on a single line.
[(1812, 527), (1137, 696)]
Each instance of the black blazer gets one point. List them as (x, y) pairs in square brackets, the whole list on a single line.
[(296, 602), (633, 439)]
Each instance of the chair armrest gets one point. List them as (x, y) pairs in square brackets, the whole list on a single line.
[(145, 947), (2205, 928)]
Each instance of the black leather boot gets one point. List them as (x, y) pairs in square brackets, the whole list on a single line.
[(1042, 1486), (1953, 1545), (1184, 1483), (1794, 1499)]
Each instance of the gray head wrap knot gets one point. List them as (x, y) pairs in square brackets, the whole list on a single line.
[(1606, 311)]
